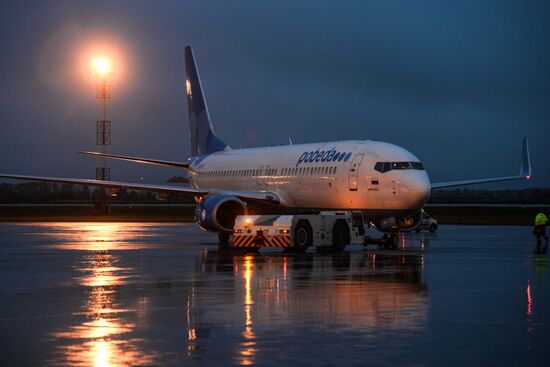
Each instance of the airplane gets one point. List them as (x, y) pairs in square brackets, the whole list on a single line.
[(382, 180)]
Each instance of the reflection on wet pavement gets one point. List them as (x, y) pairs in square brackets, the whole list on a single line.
[(357, 292), (103, 337), (131, 294)]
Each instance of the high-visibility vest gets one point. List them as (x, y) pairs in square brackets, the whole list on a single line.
[(541, 220)]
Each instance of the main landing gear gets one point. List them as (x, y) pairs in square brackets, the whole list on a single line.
[(223, 238), (389, 241)]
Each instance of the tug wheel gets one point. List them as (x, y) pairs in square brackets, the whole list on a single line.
[(303, 236), (340, 236)]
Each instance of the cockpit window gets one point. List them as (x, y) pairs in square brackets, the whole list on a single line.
[(382, 166), (387, 166), (400, 165), (417, 165)]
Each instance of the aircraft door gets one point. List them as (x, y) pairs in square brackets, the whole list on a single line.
[(354, 172), (261, 181)]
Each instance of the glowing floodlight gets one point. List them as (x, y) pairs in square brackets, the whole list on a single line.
[(101, 66)]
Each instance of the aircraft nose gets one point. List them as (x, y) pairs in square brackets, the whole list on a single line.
[(417, 186)]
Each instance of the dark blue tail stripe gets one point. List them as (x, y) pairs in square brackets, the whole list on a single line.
[(203, 138)]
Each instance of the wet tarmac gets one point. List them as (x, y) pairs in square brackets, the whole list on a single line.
[(133, 294)]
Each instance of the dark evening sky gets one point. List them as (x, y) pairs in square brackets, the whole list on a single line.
[(456, 83)]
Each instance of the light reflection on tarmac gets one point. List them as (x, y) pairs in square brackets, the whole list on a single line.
[(136, 294)]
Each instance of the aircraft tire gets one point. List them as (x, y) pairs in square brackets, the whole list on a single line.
[(223, 238)]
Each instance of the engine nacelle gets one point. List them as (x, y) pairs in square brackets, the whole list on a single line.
[(218, 213), (112, 191), (404, 224)]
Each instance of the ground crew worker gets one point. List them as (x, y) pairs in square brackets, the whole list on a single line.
[(540, 230)]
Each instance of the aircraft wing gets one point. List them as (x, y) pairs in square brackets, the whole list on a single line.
[(157, 162), (524, 173), (266, 197)]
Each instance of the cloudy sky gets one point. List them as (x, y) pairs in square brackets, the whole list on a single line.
[(458, 83)]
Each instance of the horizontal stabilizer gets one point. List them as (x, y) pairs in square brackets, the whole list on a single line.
[(524, 173), (157, 162)]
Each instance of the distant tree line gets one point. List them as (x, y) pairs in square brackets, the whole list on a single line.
[(52, 193), (469, 196)]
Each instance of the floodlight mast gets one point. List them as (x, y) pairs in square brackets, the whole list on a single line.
[(102, 71)]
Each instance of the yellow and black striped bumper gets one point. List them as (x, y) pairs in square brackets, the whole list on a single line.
[(251, 241)]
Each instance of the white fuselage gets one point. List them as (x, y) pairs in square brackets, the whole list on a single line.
[(341, 175)]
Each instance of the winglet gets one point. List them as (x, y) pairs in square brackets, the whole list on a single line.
[(525, 170), (524, 173)]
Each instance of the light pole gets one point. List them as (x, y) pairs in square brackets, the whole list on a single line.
[(102, 70)]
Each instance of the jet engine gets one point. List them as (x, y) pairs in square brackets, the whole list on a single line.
[(218, 213)]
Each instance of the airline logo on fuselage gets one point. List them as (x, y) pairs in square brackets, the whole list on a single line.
[(318, 155)]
